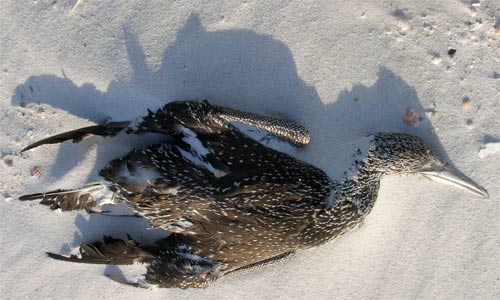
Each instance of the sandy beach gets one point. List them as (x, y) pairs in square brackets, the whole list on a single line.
[(343, 69)]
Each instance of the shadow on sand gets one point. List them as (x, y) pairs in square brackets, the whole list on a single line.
[(235, 68)]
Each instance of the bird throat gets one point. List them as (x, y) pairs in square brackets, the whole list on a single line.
[(355, 191)]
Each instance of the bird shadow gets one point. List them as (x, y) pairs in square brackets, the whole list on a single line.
[(236, 68)]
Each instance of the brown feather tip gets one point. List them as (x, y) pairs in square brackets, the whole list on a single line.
[(72, 258), (77, 135)]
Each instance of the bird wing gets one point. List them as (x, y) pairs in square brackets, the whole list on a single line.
[(171, 183), (191, 207), (199, 116), (202, 117)]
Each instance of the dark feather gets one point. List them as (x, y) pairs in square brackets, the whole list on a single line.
[(262, 264), (106, 130), (111, 251), (66, 199), (286, 130)]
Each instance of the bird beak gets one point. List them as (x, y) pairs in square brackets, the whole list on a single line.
[(444, 174)]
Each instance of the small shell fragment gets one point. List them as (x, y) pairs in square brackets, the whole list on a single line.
[(7, 197), (431, 113), (436, 60), (411, 117), (403, 24), (36, 171), (466, 103), (476, 3)]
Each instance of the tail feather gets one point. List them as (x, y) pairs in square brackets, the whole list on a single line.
[(169, 262), (110, 252), (106, 130), (65, 200)]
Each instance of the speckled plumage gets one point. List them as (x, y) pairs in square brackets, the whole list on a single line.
[(232, 203)]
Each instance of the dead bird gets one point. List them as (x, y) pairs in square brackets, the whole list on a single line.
[(231, 203)]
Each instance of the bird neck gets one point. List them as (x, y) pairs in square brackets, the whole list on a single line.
[(349, 203), (346, 207), (359, 187), (360, 191)]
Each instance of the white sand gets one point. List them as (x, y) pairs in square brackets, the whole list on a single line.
[(342, 68)]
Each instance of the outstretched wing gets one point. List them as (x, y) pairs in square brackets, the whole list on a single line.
[(202, 117), (199, 116)]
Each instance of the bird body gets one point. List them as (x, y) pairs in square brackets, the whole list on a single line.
[(231, 203)]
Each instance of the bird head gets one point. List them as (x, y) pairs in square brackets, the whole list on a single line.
[(400, 153)]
